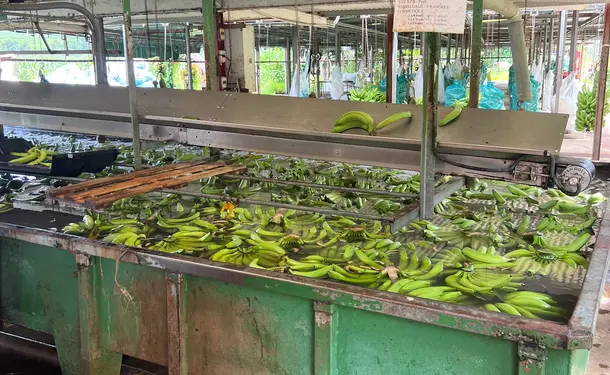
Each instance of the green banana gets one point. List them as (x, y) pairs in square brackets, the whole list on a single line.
[(392, 119), (451, 116)]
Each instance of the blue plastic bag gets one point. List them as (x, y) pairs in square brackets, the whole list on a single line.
[(529, 106), (491, 97), (456, 91), (401, 87)]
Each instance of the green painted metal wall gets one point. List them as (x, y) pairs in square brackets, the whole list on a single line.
[(197, 325)]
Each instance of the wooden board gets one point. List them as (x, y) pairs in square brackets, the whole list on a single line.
[(102, 192)]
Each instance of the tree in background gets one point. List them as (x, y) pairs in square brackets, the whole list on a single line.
[(272, 70)]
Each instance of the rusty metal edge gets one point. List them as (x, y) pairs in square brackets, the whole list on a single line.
[(544, 333), (584, 319)]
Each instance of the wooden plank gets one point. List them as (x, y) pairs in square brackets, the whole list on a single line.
[(56, 193), (137, 181), (108, 199)]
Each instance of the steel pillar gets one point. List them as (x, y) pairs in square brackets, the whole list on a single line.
[(561, 47), (601, 86), (296, 53), (209, 44), (390, 57), (475, 53), (550, 44), (338, 47), (131, 81), (431, 42), (287, 68), (189, 69), (573, 41)]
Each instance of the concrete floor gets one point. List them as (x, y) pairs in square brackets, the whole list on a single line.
[(581, 145)]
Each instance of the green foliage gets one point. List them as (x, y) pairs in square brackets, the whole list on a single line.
[(28, 70), (272, 70)]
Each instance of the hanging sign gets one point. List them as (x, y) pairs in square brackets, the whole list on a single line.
[(436, 16)]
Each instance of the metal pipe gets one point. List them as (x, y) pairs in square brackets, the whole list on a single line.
[(389, 59), (428, 137), (601, 86), (561, 47), (475, 53), (131, 81), (573, 40), (97, 41), (189, 68)]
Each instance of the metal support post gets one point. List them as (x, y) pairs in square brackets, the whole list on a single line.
[(288, 67), (544, 43), (189, 68), (573, 41), (394, 80), (209, 44), (475, 58), (601, 86), (449, 40), (338, 47), (296, 53), (316, 64), (561, 47), (550, 43), (431, 42), (390, 56), (131, 81), (99, 53)]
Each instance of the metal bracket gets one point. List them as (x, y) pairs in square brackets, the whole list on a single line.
[(534, 172), (532, 359)]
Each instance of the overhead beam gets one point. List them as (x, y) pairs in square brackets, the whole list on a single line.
[(286, 15), (47, 27)]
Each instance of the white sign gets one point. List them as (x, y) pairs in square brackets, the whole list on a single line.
[(437, 16)]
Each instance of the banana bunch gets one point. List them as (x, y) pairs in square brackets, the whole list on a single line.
[(34, 156), (529, 304), (482, 258), (473, 281), (354, 120), (263, 255), (367, 95), (362, 120), (128, 236), (545, 257), (415, 269), (586, 107)]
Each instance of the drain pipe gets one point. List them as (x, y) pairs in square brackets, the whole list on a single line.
[(512, 12), (95, 24)]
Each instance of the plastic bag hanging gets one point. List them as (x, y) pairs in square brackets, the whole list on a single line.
[(336, 84), (419, 85), (303, 81), (441, 86), (547, 99)]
